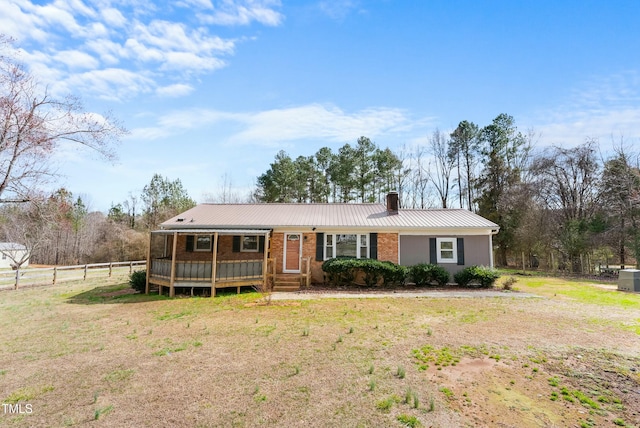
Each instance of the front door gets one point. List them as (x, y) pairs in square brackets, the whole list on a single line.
[(292, 250)]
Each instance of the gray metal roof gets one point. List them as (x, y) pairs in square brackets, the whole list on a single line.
[(369, 216), (11, 246)]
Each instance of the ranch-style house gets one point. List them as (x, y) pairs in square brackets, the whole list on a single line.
[(234, 245)]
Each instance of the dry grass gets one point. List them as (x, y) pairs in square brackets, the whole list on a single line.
[(83, 354)]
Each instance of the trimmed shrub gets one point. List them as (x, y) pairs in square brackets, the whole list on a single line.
[(344, 270), (425, 274), (393, 274), (138, 280), (481, 276), (340, 270)]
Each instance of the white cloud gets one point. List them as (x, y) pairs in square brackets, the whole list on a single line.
[(281, 126), (113, 17), (319, 122), (177, 90), (76, 59), (111, 83), (99, 36), (598, 109), (231, 12)]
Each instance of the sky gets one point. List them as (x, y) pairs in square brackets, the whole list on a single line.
[(211, 90)]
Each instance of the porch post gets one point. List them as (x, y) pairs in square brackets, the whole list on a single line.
[(265, 262), (146, 287), (172, 290), (490, 250), (214, 264)]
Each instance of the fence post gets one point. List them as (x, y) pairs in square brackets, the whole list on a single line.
[(130, 268), (85, 273), (110, 269), (55, 274)]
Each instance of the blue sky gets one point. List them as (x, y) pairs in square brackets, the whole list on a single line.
[(210, 88)]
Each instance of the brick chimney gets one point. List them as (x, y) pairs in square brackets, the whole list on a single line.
[(392, 203)]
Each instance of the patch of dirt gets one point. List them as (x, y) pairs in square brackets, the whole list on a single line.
[(582, 388)]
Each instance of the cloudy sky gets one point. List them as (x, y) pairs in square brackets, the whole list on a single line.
[(210, 88)]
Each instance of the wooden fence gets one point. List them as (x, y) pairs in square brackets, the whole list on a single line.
[(13, 279)]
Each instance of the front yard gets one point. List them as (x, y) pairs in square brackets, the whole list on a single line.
[(94, 354)]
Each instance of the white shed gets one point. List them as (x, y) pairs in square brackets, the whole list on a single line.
[(11, 252)]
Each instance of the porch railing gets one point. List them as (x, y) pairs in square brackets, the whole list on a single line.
[(226, 270)]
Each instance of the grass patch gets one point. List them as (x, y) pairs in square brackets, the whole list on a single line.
[(205, 356)]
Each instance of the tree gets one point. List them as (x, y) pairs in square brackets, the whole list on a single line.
[(443, 162), (463, 147), (568, 182), (620, 193), (164, 198), (33, 125), (505, 153), (364, 169), (341, 171)]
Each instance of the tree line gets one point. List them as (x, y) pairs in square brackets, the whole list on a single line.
[(557, 207)]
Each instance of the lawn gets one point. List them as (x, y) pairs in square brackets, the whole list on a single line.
[(91, 353)]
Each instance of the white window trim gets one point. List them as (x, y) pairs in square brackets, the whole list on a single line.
[(249, 250), (334, 242), (439, 257), (195, 243)]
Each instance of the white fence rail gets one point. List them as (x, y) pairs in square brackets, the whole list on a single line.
[(12, 279)]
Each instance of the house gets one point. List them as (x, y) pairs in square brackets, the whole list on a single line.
[(233, 245), (12, 254)]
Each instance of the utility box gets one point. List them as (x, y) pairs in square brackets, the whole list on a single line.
[(629, 280)]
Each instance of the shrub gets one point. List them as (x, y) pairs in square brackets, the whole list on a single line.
[(340, 270), (393, 274), (138, 280), (483, 276), (424, 274), (343, 271)]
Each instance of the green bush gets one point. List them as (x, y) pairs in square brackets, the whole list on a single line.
[(425, 274), (344, 270), (481, 276), (340, 270), (138, 280), (393, 274)]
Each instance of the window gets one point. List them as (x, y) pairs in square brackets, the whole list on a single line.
[(446, 250), (203, 243), (249, 244), (346, 245)]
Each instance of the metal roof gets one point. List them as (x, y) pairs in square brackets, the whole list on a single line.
[(11, 246), (368, 216)]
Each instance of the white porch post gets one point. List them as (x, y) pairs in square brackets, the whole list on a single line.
[(491, 250)]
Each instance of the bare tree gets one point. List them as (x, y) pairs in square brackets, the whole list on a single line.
[(33, 125), (443, 163)]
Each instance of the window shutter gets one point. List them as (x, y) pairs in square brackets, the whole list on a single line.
[(319, 247), (433, 251), (236, 243), (460, 251), (190, 243), (261, 244), (373, 245)]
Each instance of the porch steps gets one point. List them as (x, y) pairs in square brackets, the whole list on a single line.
[(287, 282)]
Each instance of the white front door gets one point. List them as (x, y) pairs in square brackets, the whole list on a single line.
[(292, 251)]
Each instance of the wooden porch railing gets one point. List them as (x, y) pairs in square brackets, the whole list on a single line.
[(195, 271)]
